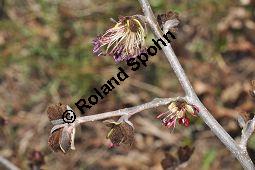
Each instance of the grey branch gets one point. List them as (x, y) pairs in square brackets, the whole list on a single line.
[(124, 114), (247, 130), (128, 111), (7, 164), (215, 127)]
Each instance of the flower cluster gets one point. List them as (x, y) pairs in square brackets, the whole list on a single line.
[(123, 41), (177, 111)]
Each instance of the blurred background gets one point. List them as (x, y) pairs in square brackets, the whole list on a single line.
[(46, 57)]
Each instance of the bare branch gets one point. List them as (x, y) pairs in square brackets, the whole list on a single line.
[(124, 114), (128, 111), (216, 128), (248, 129), (7, 164)]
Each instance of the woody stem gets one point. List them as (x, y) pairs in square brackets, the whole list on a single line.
[(128, 111), (216, 128)]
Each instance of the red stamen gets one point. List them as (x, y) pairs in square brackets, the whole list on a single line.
[(196, 110), (181, 120), (186, 122)]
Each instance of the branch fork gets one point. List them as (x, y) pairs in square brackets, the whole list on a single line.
[(247, 130)]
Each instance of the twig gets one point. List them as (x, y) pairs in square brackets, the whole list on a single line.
[(216, 128), (124, 114), (7, 164), (248, 129), (128, 111)]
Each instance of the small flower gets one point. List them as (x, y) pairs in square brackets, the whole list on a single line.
[(62, 137), (120, 132), (177, 111), (123, 41)]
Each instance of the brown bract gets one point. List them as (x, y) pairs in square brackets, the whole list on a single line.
[(55, 111), (62, 139), (120, 132), (162, 18)]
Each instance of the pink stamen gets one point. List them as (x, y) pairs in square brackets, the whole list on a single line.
[(161, 114), (171, 123), (196, 110)]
